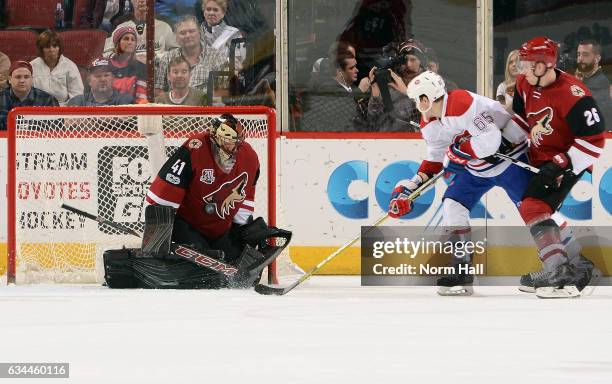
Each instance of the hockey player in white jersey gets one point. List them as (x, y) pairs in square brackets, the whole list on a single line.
[(463, 131)]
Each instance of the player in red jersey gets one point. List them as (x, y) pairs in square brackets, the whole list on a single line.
[(566, 132), (199, 228)]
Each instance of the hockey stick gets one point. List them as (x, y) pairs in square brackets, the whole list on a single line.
[(177, 249), (518, 162), (100, 220), (279, 291)]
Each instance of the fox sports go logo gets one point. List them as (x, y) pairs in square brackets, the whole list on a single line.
[(357, 171)]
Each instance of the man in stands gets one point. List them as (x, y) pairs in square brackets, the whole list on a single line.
[(21, 93), (180, 93), (201, 59), (101, 90), (203, 200), (591, 74)]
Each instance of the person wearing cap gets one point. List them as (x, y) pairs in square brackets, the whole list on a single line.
[(164, 37), (101, 91), (130, 74), (54, 72), (21, 92)]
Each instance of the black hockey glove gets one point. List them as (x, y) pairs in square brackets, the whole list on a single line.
[(552, 173)]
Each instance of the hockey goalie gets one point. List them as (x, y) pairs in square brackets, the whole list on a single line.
[(199, 226)]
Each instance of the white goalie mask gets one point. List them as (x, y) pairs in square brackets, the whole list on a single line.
[(226, 136), (428, 84)]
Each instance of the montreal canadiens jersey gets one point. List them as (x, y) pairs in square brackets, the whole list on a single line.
[(206, 197), (479, 124), (561, 118)]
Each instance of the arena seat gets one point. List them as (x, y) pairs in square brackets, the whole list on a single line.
[(19, 44), (20, 13), (83, 45)]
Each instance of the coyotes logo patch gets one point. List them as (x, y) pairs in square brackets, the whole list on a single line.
[(224, 198), (542, 126), (577, 91)]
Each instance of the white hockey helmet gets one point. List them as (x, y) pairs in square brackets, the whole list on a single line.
[(428, 84)]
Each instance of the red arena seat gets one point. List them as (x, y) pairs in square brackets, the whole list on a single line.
[(83, 45), (19, 44), (38, 14)]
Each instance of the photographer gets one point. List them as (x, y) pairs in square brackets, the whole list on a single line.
[(394, 114)]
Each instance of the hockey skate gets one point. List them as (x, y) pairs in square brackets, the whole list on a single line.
[(587, 275), (557, 284), (458, 283)]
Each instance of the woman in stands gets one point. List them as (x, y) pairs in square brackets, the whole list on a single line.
[(216, 33), (505, 89), (130, 74), (54, 73)]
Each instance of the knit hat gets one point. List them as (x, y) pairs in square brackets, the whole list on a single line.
[(122, 31), (20, 64)]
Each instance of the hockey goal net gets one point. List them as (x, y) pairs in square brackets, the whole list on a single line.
[(97, 160)]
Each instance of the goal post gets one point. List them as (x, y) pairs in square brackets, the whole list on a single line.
[(98, 159)]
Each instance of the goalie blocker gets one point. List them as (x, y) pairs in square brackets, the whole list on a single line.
[(175, 256)]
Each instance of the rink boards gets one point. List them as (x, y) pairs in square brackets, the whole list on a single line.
[(329, 187)]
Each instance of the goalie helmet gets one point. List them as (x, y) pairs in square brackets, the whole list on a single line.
[(226, 135), (428, 84), (539, 49)]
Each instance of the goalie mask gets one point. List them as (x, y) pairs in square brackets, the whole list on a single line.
[(226, 135), (428, 84)]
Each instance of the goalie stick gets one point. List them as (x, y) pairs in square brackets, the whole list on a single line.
[(279, 291), (177, 249)]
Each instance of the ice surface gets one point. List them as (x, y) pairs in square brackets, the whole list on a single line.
[(330, 330)]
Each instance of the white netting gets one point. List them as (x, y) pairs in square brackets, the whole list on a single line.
[(98, 164)]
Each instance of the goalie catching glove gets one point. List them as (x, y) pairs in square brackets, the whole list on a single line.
[(400, 204)]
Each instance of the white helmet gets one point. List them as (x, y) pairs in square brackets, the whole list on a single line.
[(429, 84)]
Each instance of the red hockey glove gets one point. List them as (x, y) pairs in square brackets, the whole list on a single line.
[(551, 173), (400, 205), (455, 159)]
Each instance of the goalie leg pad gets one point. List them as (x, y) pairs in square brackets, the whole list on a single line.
[(159, 221), (118, 272)]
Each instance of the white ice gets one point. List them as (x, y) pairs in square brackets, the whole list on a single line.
[(330, 330)]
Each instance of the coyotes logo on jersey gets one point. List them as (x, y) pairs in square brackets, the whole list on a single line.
[(542, 126), (224, 198)]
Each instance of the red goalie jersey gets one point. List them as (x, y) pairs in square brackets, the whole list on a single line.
[(206, 197), (560, 118)]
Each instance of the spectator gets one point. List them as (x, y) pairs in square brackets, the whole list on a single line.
[(591, 74), (5, 64), (180, 93), (397, 116), (433, 64), (171, 11), (21, 93), (130, 74), (55, 73), (101, 91), (215, 31), (505, 90), (103, 14), (201, 58), (333, 104), (164, 37)]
